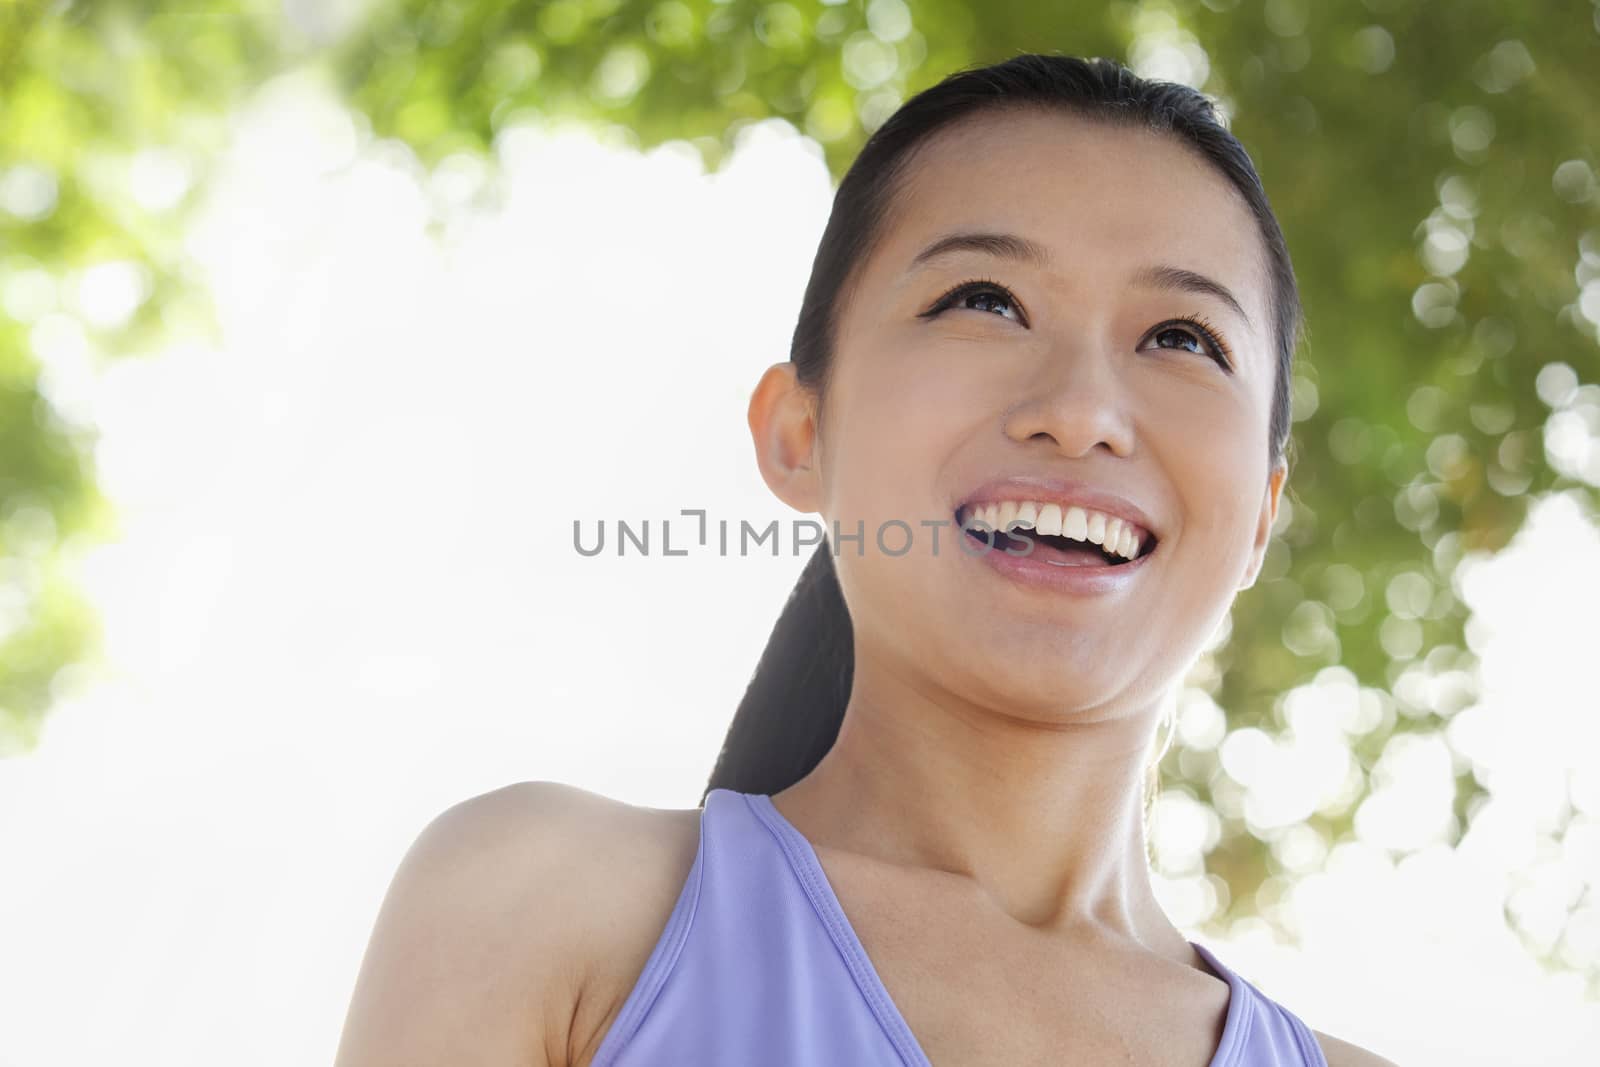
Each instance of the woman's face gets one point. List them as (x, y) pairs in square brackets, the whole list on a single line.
[(1080, 373)]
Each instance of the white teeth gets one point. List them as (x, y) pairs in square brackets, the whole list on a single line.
[(1075, 524), (1120, 538), (1080, 524), (1097, 527)]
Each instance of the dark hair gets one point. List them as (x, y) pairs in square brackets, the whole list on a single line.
[(791, 712)]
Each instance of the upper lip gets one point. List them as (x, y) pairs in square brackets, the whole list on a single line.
[(1063, 491)]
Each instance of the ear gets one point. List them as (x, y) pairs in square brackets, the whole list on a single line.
[(1269, 514), (783, 426)]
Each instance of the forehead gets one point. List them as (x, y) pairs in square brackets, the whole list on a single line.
[(1105, 201)]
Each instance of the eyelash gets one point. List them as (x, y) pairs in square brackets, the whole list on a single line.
[(1208, 334)]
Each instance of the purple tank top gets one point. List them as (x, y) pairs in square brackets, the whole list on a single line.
[(758, 965)]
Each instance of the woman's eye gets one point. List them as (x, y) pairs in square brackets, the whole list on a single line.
[(988, 297), (1198, 346), (1198, 339)]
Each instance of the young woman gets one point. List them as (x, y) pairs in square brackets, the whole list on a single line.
[(1051, 298)]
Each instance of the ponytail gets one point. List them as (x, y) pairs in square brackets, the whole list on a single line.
[(791, 711)]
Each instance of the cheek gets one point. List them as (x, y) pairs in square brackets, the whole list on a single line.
[(914, 378), (896, 420), (1222, 474)]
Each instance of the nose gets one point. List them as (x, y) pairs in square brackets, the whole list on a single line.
[(1077, 402)]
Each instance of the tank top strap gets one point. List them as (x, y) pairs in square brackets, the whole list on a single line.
[(748, 969), (1260, 1032)]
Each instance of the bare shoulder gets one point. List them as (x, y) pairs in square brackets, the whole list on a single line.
[(498, 939), (1343, 1054)]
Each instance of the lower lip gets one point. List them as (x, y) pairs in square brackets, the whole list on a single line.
[(1058, 578)]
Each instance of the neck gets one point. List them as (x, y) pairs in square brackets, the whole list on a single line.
[(1044, 817)]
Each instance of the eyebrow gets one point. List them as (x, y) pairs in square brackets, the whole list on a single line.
[(999, 245), (1010, 246)]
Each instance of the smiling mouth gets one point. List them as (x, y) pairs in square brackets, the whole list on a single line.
[(1056, 549)]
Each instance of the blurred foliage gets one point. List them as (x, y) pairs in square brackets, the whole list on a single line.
[(108, 113), (1433, 166)]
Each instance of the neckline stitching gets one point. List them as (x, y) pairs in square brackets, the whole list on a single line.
[(803, 861), (1310, 1047)]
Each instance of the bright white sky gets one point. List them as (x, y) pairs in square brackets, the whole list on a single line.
[(345, 598)]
